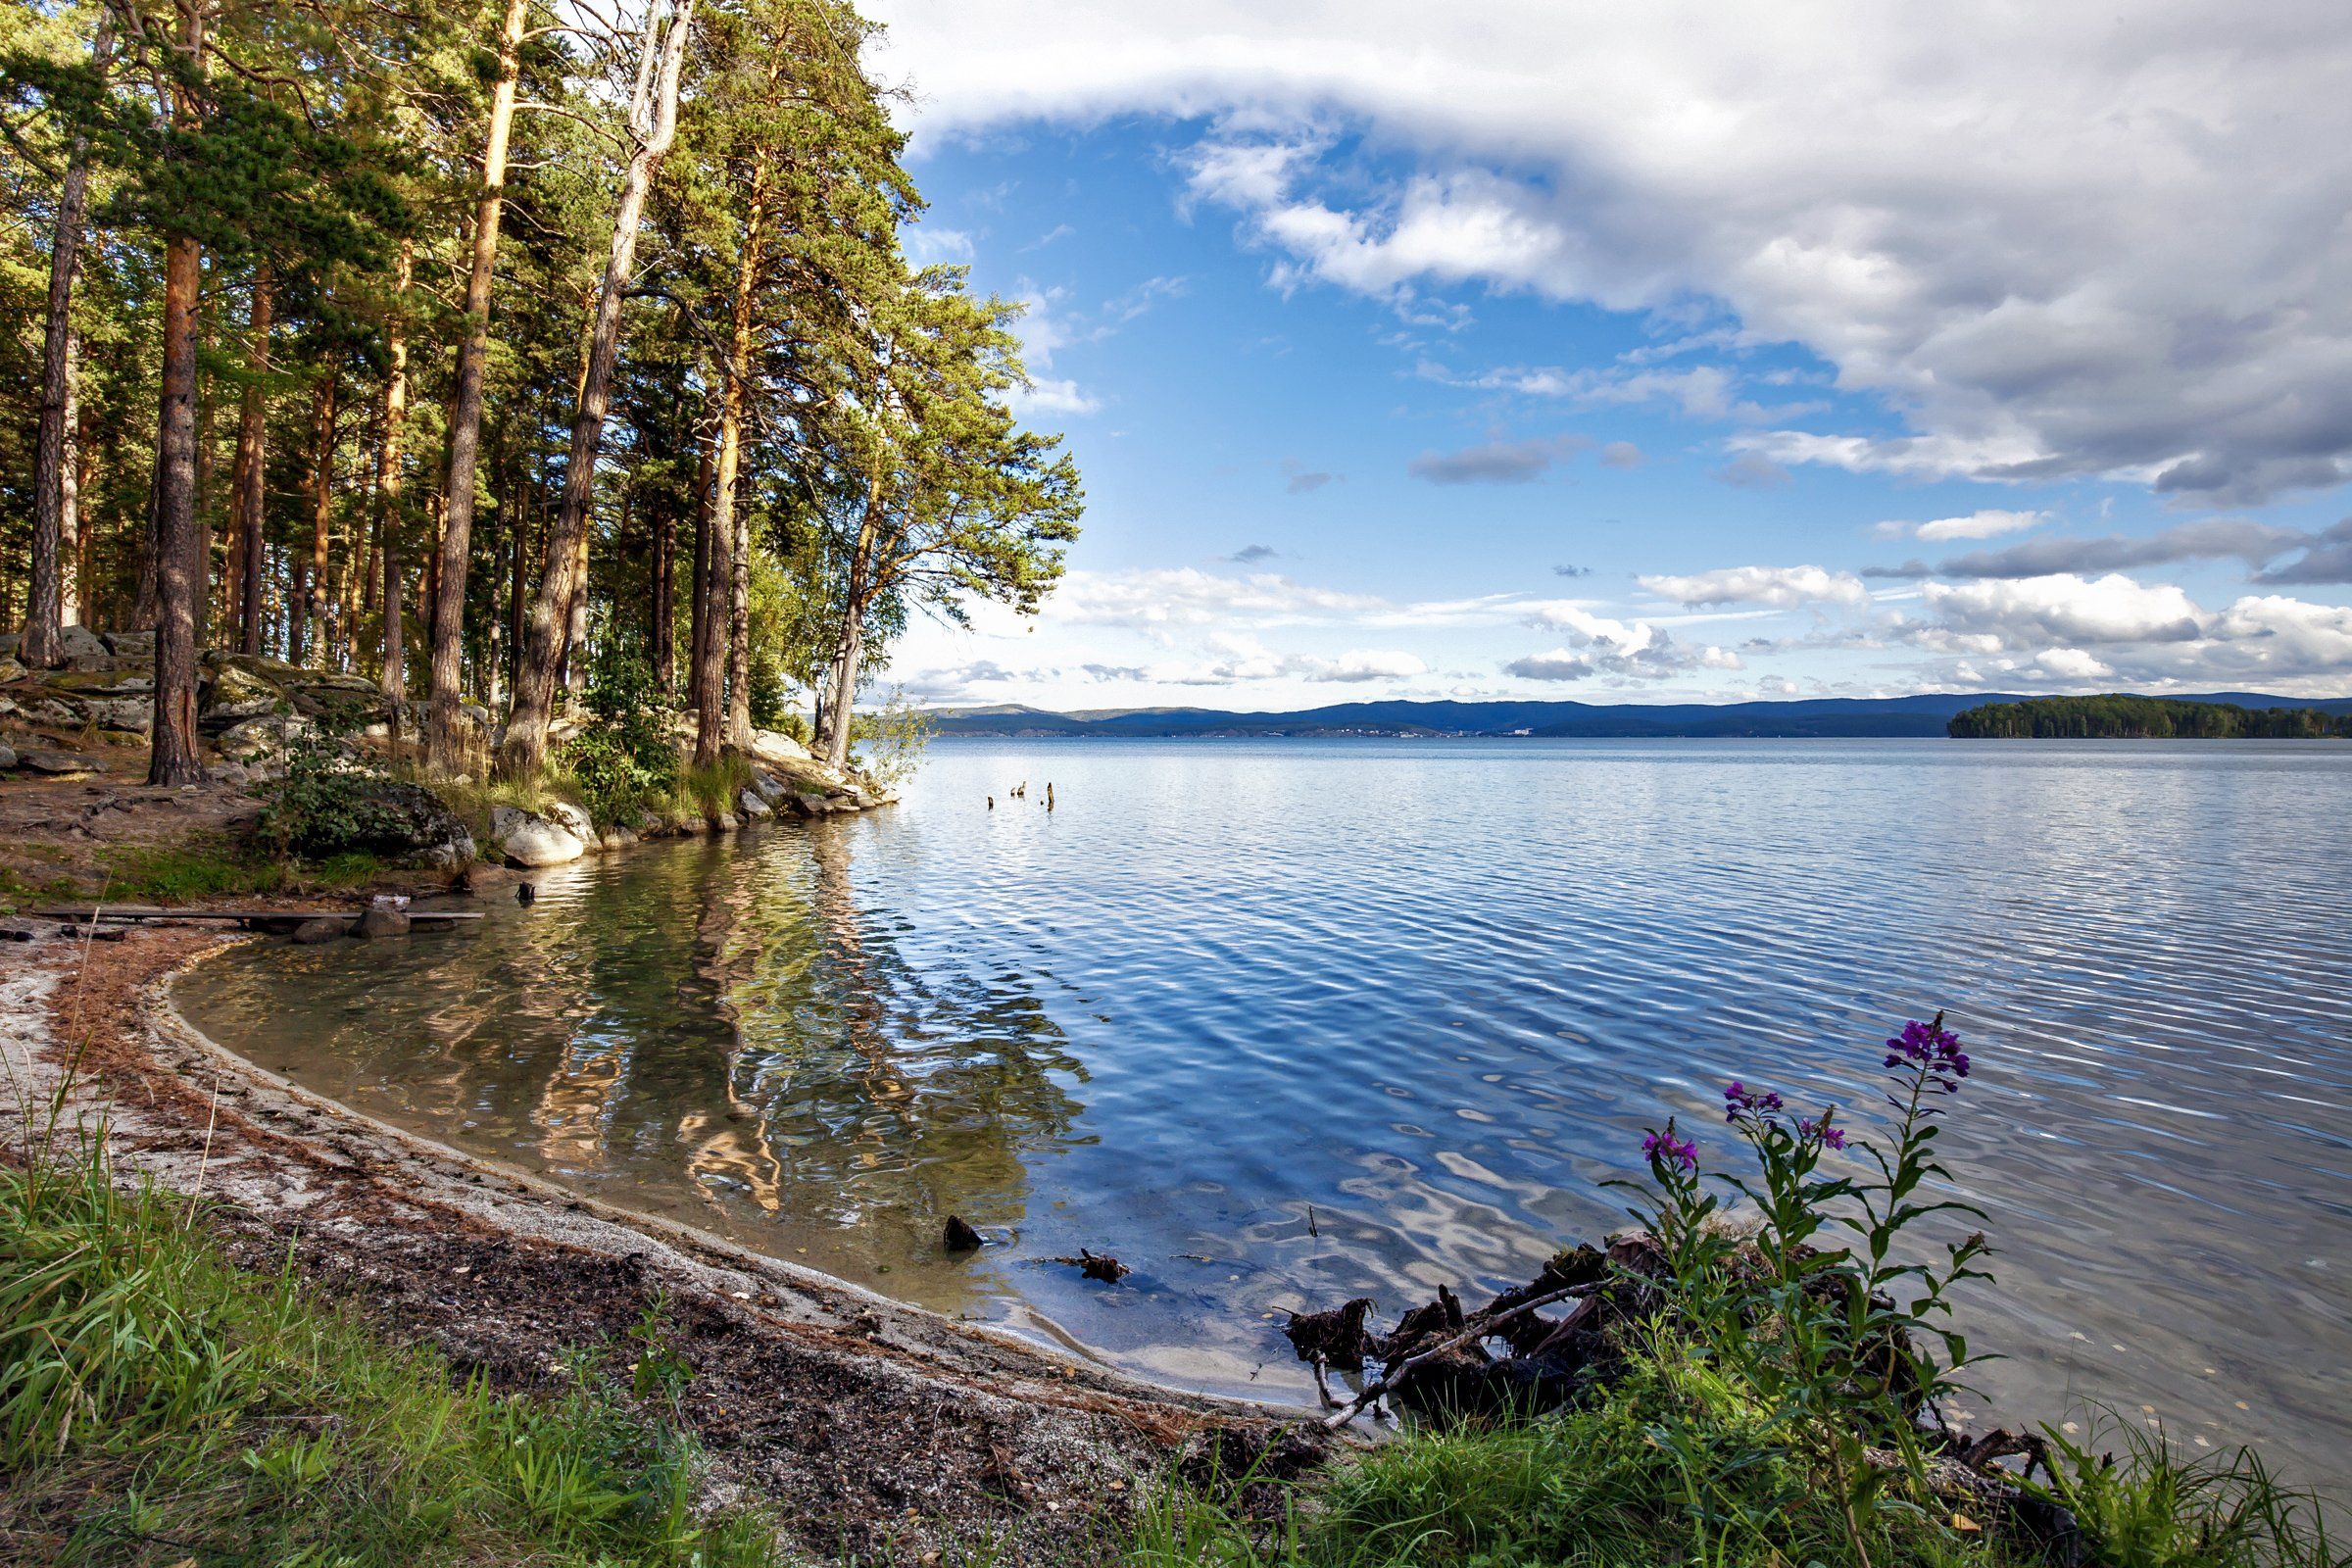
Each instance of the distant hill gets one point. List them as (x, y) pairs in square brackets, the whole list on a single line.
[(1816, 718)]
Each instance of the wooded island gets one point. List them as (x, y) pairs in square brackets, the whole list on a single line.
[(2121, 717)]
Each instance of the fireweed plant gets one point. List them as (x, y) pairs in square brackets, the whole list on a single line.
[(1816, 1310)]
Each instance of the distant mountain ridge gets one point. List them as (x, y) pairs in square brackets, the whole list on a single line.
[(1827, 718)]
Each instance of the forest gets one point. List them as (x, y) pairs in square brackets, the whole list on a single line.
[(480, 348), (2121, 717)]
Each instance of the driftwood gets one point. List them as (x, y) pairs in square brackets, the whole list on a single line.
[(1486, 1324), (1334, 1338), (1098, 1266)]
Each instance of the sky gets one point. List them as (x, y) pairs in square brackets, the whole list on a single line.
[(1657, 352)]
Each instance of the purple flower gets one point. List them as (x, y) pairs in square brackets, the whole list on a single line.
[(1929, 1046), (1739, 1101), (1666, 1149), (1830, 1137)]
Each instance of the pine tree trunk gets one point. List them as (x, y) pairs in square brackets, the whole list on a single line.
[(726, 517), (848, 650), (697, 604), (387, 495), (248, 477), (441, 746), (72, 551), (653, 122), (44, 614), (739, 636), (664, 637), (718, 578), (178, 543), (322, 495), (146, 604)]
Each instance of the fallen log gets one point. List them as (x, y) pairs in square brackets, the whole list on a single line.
[(1484, 1324)]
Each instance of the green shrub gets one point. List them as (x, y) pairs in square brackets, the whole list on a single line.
[(624, 761), (329, 803), (887, 742)]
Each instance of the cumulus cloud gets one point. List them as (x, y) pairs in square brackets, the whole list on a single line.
[(1494, 461), (1598, 646), (1986, 616), (1976, 215), (1783, 586), (1049, 394), (1366, 663)]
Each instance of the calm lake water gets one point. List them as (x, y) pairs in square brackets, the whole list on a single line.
[(1434, 991)]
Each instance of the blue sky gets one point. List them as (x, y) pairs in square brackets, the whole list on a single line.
[(1379, 399)]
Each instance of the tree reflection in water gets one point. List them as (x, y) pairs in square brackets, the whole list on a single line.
[(721, 1032)]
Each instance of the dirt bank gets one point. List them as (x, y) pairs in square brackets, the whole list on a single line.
[(873, 1429)]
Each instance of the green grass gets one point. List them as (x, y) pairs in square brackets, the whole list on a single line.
[(709, 792), (187, 873), (158, 1405), (180, 874), (1676, 1467), (473, 801)]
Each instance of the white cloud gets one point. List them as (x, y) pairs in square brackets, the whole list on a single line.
[(1975, 525), (2058, 239), (1601, 647), (1783, 586), (2065, 609), (927, 245), (1364, 664), (2073, 663), (1051, 394), (2113, 628)]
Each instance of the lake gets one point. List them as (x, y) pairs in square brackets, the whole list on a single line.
[(1282, 1022)]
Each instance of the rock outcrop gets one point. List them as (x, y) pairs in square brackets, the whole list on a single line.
[(530, 840)]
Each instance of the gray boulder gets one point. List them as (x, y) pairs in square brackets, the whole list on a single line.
[(528, 840), (312, 932), (84, 650), (572, 820), (132, 715), (776, 749), (233, 694), (754, 805), (380, 920), (260, 744)]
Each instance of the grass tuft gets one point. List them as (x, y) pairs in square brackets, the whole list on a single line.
[(1675, 1465), (158, 1405)]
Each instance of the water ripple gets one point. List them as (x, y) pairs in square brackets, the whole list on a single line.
[(1430, 994)]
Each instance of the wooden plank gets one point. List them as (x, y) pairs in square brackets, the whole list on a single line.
[(138, 913)]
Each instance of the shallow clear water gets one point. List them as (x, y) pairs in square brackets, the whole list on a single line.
[(1434, 991)]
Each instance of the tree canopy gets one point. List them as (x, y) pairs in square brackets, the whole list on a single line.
[(468, 344)]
